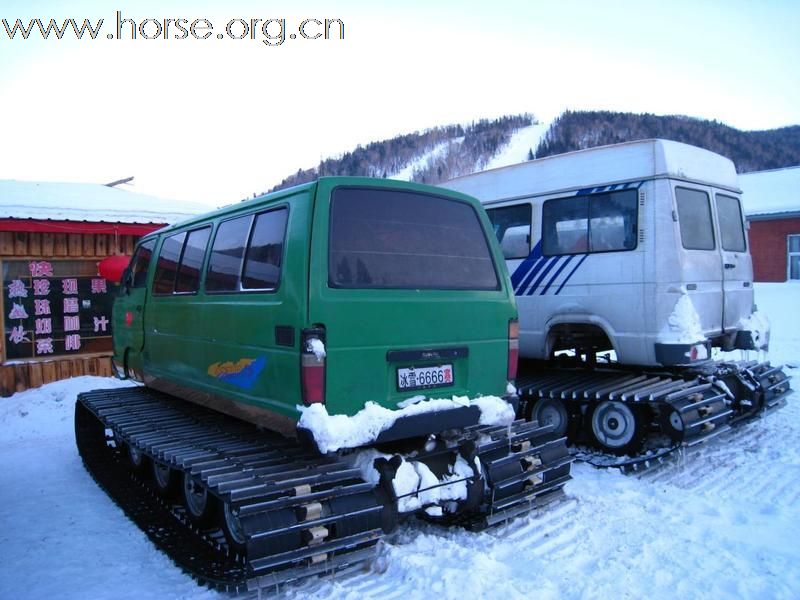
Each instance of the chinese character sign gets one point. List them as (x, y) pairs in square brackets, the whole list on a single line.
[(17, 289), (40, 268), (55, 308)]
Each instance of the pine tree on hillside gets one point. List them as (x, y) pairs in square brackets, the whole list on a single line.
[(749, 150)]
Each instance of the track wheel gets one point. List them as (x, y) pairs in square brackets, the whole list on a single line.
[(200, 505), (672, 425), (164, 478), (137, 460), (232, 528), (551, 411), (617, 427)]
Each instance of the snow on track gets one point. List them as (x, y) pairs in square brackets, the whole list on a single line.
[(722, 523)]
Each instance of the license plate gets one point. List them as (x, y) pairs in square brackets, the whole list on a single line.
[(424, 377)]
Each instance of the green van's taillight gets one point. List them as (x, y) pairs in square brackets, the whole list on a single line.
[(312, 366), (513, 348)]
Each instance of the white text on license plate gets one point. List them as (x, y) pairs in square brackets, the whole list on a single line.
[(424, 377)]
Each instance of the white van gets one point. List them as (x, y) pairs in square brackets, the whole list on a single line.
[(639, 248)]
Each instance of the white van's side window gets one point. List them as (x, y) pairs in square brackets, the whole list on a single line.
[(694, 216), (730, 223), (593, 223), (512, 226)]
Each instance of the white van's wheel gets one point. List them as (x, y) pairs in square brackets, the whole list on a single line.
[(551, 411), (617, 428)]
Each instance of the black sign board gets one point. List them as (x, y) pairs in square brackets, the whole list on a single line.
[(55, 308)]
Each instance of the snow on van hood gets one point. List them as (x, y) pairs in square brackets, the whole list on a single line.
[(333, 432), (683, 325)]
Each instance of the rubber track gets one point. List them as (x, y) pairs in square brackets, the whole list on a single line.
[(188, 548), (266, 477), (203, 553), (764, 387)]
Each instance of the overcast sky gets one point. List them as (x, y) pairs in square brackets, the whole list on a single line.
[(215, 120)]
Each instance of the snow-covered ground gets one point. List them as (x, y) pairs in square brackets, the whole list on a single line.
[(722, 523)]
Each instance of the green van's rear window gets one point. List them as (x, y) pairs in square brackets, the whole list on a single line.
[(382, 238)]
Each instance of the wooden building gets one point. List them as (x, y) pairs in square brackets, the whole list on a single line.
[(56, 307), (772, 206)]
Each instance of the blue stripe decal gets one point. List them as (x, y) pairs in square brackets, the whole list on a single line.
[(524, 268), (547, 269), (609, 188), (526, 264), (558, 272), (563, 283), (522, 273), (536, 268)]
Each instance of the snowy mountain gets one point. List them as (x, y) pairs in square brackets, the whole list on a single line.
[(432, 155), (721, 521), (443, 153)]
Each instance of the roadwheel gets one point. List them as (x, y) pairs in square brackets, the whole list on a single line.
[(200, 505), (551, 411), (164, 478), (232, 528), (137, 460), (617, 427)]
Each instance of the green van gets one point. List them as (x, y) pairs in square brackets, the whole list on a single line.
[(398, 284), (370, 326)]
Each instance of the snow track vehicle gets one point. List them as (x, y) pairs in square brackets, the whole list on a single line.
[(284, 349), (639, 251)]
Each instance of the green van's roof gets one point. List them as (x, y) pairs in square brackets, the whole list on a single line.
[(246, 205)]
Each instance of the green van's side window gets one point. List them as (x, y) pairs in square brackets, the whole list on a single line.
[(167, 266), (178, 267), (141, 263), (237, 264), (227, 252), (194, 249), (262, 264)]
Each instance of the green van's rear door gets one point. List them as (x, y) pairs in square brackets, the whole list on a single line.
[(411, 292)]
